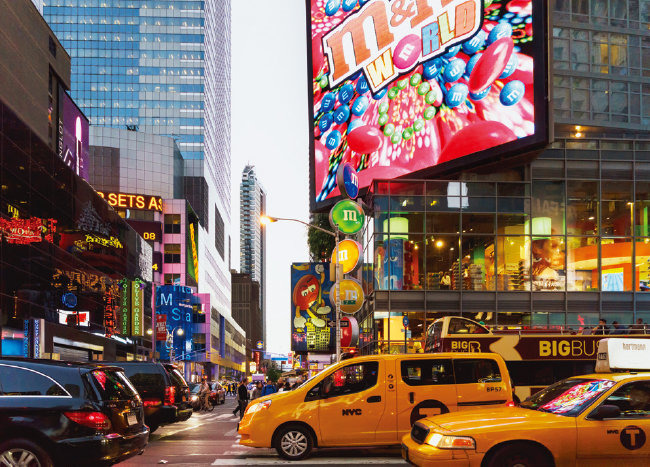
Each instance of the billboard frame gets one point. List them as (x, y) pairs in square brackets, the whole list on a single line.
[(513, 150)]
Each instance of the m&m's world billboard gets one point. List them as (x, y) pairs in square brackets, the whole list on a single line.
[(421, 87)]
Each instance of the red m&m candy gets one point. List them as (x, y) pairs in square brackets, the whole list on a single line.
[(365, 139), (491, 64), (407, 52)]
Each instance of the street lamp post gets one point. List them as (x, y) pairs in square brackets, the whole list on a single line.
[(337, 312), (177, 330)]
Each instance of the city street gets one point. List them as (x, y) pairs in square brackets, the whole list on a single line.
[(212, 439)]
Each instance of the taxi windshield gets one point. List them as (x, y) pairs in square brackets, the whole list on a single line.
[(568, 397)]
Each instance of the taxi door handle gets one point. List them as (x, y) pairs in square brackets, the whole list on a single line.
[(372, 399), (411, 397)]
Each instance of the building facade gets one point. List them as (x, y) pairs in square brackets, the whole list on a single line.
[(557, 239), (143, 65), (252, 234), (247, 312), (76, 279)]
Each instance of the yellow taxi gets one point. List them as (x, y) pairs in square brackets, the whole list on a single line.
[(373, 400), (590, 420)]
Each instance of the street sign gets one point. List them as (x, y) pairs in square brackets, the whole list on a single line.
[(259, 345), (331, 324), (349, 255), (350, 293), (161, 327), (347, 216), (348, 181), (405, 321)]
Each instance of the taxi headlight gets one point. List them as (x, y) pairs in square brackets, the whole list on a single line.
[(259, 406), (451, 442)]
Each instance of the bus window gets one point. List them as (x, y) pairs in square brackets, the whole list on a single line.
[(465, 326)]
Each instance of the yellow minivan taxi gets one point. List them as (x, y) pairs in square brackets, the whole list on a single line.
[(592, 420), (373, 400)]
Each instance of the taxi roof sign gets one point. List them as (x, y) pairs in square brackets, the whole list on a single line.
[(616, 354)]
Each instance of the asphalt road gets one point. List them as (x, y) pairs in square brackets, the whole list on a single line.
[(211, 439)]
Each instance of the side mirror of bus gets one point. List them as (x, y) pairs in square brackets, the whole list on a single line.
[(605, 411)]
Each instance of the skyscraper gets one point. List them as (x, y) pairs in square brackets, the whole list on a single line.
[(163, 67), (252, 235)]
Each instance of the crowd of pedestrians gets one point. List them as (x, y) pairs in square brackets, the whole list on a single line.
[(258, 389)]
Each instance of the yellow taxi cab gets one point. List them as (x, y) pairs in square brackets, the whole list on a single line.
[(590, 420), (373, 400)]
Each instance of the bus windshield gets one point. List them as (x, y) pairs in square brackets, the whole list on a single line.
[(568, 397)]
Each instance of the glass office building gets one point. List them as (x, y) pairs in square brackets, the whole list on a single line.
[(560, 239)]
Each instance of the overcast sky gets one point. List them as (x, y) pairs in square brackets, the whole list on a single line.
[(270, 131)]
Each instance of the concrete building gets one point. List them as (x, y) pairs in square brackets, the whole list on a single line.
[(247, 312), (252, 234)]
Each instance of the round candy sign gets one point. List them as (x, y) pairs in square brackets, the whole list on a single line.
[(348, 216), (259, 345), (348, 181), (349, 254), (351, 295)]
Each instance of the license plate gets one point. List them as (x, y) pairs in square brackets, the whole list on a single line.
[(131, 419)]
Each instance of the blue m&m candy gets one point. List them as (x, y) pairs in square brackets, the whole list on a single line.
[(456, 95), (471, 63), (512, 93), (327, 103), (452, 51), (332, 7), (472, 46), (432, 68), (380, 94), (356, 123), (362, 85), (333, 140), (511, 66), (480, 95), (348, 5), (342, 114), (502, 29), (360, 106), (325, 122), (345, 93), (454, 70)]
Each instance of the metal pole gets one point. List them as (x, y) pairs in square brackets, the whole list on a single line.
[(338, 299)]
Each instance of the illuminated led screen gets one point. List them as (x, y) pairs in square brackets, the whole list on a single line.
[(419, 86)]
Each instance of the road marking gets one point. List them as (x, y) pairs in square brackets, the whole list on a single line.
[(273, 459), (223, 415)]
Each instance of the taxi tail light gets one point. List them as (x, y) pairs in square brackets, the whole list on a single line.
[(95, 420), (511, 404)]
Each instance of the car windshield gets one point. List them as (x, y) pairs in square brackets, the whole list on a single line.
[(568, 397)]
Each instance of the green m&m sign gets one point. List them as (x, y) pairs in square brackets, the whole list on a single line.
[(348, 216)]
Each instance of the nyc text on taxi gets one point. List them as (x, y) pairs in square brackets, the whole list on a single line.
[(591, 420), (373, 400)]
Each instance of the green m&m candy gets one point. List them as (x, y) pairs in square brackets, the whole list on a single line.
[(393, 92), (389, 129), (416, 79), (403, 83), (383, 107), (323, 82), (396, 138), (383, 119), (407, 133), (423, 88), (429, 113), (418, 124)]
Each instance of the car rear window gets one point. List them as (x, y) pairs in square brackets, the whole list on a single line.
[(15, 381), (145, 376), (176, 376), (113, 385)]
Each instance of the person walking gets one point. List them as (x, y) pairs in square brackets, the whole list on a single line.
[(269, 389), (242, 399), (257, 391)]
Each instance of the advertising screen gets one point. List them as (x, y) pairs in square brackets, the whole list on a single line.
[(416, 87), (311, 310), (175, 302), (74, 137)]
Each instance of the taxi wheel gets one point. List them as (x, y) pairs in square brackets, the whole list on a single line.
[(294, 442), (520, 455)]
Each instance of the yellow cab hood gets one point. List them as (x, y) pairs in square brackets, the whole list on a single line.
[(493, 420)]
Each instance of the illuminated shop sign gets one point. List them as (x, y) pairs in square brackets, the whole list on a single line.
[(81, 281), (73, 135), (137, 310), (74, 318), (148, 230), (404, 86), (133, 201), (195, 256), (125, 305), (112, 241), (109, 315), (25, 231)]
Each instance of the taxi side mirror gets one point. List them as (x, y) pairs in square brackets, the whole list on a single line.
[(605, 411)]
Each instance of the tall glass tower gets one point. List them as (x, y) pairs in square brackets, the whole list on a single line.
[(252, 235), (163, 67)]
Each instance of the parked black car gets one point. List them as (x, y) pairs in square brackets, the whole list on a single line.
[(181, 394), (59, 413), (158, 393)]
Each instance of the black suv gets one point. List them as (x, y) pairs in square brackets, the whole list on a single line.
[(59, 413), (182, 392), (158, 392)]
